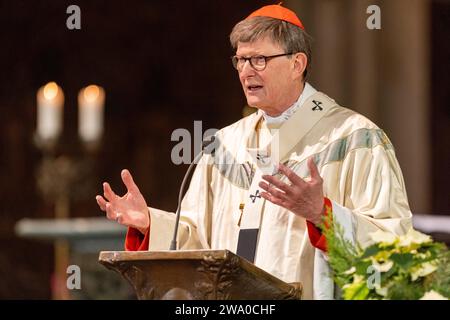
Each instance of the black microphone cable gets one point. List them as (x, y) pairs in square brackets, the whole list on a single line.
[(207, 150)]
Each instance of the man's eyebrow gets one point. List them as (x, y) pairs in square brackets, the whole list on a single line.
[(253, 53)]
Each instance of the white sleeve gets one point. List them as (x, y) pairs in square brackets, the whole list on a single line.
[(371, 195)]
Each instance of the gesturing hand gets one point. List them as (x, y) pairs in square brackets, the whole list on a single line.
[(304, 198), (130, 210)]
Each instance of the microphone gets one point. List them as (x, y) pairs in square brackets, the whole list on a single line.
[(208, 147)]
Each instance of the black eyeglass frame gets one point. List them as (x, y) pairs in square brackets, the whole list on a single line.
[(235, 60)]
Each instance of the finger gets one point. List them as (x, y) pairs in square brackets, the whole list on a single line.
[(314, 171), (278, 183), (291, 175), (110, 212), (128, 181), (273, 199), (101, 202), (272, 190), (108, 192), (120, 218), (123, 219)]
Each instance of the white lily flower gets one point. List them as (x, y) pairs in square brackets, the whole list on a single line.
[(382, 236), (433, 295), (382, 267), (350, 271), (381, 291), (425, 270), (413, 236), (358, 278)]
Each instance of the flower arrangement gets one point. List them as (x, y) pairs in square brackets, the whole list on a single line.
[(411, 266)]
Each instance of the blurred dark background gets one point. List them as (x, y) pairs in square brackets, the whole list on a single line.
[(164, 64)]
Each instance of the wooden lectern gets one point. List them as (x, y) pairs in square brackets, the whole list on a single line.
[(197, 275)]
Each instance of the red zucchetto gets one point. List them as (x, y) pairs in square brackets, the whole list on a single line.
[(278, 12)]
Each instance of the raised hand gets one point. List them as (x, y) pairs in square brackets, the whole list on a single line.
[(130, 210), (304, 198)]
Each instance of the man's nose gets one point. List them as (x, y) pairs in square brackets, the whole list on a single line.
[(247, 70)]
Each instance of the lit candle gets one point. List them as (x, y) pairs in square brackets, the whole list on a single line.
[(91, 102), (50, 102)]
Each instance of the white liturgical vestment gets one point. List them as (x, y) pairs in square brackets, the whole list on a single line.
[(355, 158)]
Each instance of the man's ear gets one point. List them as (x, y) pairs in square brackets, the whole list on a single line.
[(300, 63)]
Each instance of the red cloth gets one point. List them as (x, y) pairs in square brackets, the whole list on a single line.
[(136, 241), (316, 237)]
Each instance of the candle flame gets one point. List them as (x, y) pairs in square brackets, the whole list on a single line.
[(91, 93), (50, 90)]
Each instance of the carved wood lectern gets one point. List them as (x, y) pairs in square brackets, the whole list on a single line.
[(196, 275)]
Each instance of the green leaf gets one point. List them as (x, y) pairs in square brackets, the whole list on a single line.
[(386, 275), (371, 251), (403, 289), (439, 281), (356, 291), (403, 260), (362, 266)]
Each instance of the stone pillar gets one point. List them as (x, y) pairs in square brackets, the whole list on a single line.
[(382, 74), (404, 92)]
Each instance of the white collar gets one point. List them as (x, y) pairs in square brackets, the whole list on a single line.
[(308, 91)]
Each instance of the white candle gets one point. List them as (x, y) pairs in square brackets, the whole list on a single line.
[(50, 102), (91, 101)]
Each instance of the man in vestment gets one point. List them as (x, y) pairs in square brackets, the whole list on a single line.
[(274, 174)]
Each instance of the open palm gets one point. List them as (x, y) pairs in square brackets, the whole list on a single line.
[(130, 210)]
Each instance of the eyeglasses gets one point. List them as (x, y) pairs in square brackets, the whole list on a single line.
[(258, 63)]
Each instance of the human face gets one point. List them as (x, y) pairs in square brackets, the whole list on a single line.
[(275, 88)]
